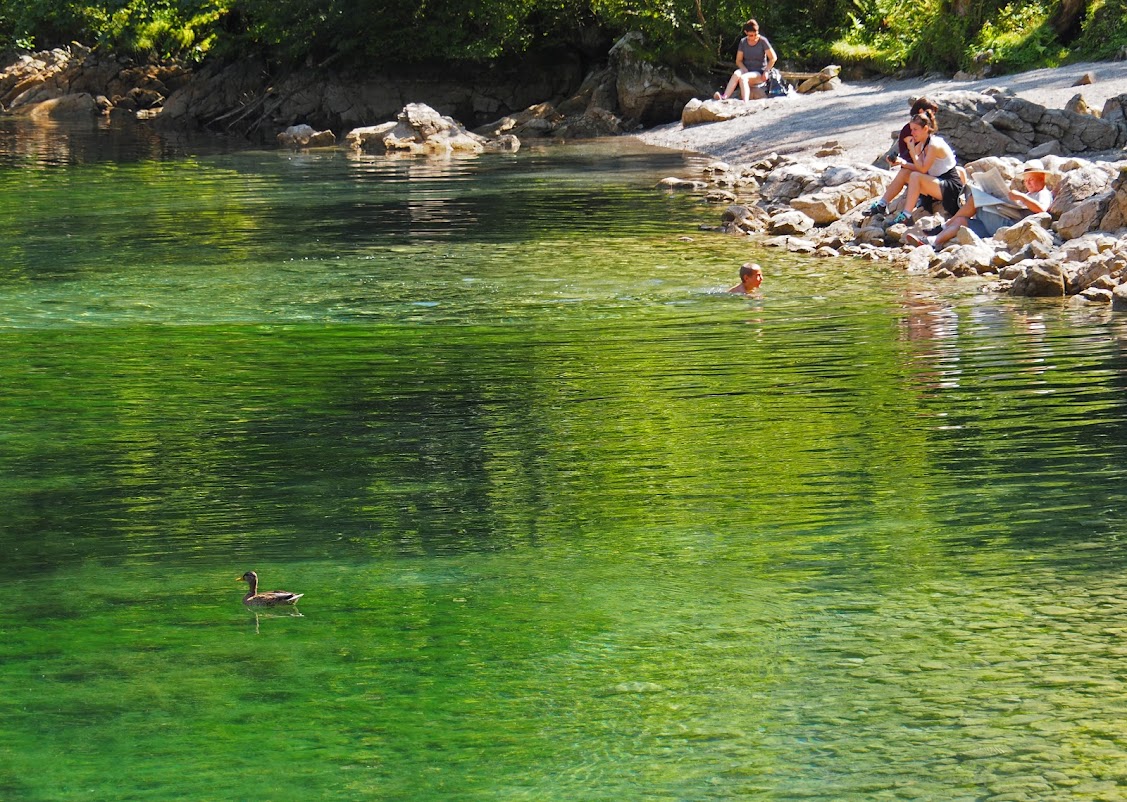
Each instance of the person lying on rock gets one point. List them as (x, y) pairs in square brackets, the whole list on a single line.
[(984, 222), (754, 58), (930, 171), (751, 276)]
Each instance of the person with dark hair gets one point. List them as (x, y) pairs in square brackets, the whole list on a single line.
[(751, 276), (930, 170), (754, 58), (899, 154)]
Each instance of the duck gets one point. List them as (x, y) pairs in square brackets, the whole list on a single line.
[(269, 598)]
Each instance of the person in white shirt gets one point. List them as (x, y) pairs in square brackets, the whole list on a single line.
[(932, 171), (984, 222)]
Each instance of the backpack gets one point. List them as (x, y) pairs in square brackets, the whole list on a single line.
[(775, 86)]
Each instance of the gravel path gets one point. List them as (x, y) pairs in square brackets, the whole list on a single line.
[(862, 117)]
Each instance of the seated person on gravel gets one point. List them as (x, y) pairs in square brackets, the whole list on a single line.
[(754, 58), (930, 171), (984, 222)]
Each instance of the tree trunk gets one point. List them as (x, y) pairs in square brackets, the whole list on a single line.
[(1066, 22)]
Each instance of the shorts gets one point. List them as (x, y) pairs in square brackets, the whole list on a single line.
[(951, 184)]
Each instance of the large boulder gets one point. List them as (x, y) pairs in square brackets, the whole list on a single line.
[(790, 222), (825, 80), (1116, 216), (788, 181), (594, 122), (1115, 113), (966, 260), (67, 107), (1025, 232), (1039, 279), (832, 202), (1119, 298), (1077, 185), (536, 121), (1084, 216), (697, 112), (979, 124), (960, 123), (648, 94), (419, 129)]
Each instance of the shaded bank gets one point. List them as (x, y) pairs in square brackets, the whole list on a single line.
[(617, 93)]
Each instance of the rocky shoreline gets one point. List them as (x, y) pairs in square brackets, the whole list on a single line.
[(564, 99), (808, 198), (816, 204)]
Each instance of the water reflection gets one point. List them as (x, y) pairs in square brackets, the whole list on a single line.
[(50, 143), (572, 524)]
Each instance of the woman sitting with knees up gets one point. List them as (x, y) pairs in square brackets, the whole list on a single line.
[(930, 171), (898, 155)]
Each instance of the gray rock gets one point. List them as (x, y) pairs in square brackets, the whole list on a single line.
[(1026, 232), (1116, 216), (966, 260), (1040, 279), (67, 107), (1096, 295), (1051, 147), (1115, 113), (419, 129), (831, 203), (787, 182), (674, 183), (305, 136), (1084, 216), (1078, 185), (1119, 299), (536, 121), (647, 92), (698, 112), (791, 222)]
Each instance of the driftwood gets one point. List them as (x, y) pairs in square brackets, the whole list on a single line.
[(798, 77)]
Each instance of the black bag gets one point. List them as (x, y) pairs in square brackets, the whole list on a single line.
[(775, 86)]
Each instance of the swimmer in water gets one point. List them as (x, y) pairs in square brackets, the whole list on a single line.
[(751, 276)]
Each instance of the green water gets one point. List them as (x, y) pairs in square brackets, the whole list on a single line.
[(572, 523)]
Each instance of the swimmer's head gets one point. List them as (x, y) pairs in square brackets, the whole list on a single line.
[(751, 275)]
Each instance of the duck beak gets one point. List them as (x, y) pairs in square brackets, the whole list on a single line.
[(240, 579)]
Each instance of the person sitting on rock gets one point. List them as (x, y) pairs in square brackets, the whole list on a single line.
[(899, 154), (984, 222), (930, 171), (751, 276), (754, 58)]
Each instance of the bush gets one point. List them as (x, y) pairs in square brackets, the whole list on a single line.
[(1018, 37), (1103, 34)]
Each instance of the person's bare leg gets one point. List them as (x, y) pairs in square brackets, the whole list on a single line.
[(735, 79), (920, 183), (899, 181), (950, 228), (747, 80)]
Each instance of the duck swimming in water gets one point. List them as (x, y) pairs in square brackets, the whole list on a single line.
[(269, 598)]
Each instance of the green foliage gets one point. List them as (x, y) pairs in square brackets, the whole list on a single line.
[(1018, 37), (878, 34), (1103, 34), (164, 29), (883, 35), (147, 28)]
